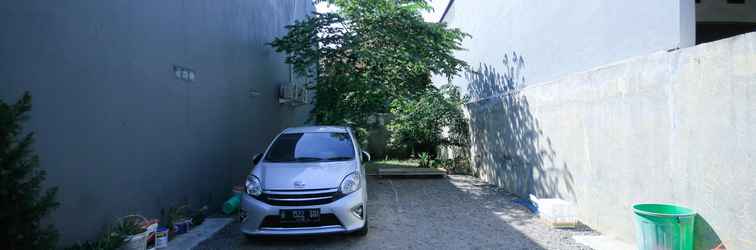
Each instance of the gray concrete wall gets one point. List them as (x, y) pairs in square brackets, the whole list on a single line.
[(721, 11), (116, 131), (672, 127), (561, 37)]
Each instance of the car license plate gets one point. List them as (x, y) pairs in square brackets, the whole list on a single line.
[(300, 215)]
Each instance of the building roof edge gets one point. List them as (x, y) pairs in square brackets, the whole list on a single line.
[(446, 10)]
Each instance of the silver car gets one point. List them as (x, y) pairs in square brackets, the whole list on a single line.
[(310, 180)]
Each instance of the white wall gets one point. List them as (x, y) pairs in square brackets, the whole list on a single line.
[(670, 127), (647, 126), (554, 37)]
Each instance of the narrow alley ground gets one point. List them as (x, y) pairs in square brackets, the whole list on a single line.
[(458, 212)]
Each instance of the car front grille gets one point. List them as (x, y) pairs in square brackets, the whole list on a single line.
[(300, 197), (274, 221)]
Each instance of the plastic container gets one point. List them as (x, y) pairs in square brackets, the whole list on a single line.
[(556, 212), (664, 226), (151, 227), (182, 226), (136, 241), (161, 237), (232, 204)]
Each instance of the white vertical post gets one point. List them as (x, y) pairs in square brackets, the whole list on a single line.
[(687, 23)]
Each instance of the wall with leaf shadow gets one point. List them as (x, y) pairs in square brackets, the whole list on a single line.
[(669, 127)]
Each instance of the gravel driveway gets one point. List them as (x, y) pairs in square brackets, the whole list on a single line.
[(458, 212)]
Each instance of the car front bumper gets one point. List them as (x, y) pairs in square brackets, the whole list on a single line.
[(254, 212)]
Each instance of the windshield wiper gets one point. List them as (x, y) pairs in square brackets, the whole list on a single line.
[(307, 159), (277, 160)]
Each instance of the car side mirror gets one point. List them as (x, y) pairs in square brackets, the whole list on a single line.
[(365, 156), (256, 159)]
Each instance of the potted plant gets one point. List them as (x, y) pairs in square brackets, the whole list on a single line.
[(166, 221), (176, 220), (134, 235), (199, 215)]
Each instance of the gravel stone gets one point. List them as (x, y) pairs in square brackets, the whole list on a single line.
[(457, 212)]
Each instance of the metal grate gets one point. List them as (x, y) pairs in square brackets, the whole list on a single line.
[(300, 197)]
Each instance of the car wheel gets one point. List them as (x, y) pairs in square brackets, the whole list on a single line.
[(362, 231)]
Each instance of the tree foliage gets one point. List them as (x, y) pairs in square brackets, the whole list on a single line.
[(367, 55), (22, 201), (418, 123)]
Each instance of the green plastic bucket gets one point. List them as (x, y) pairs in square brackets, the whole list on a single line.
[(664, 226), (232, 204)]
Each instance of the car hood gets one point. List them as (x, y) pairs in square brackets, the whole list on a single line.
[(316, 175)]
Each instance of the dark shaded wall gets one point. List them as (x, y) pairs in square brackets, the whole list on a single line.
[(116, 130), (709, 32), (717, 20)]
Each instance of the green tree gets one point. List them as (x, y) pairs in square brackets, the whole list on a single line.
[(418, 123), (368, 54), (22, 202)]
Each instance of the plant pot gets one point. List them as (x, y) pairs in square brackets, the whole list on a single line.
[(135, 242), (171, 233), (182, 226), (161, 237)]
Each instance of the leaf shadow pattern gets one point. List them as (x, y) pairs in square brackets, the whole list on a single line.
[(705, 237), (508, 146)]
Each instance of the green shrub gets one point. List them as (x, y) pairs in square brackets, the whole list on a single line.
[(199, 216), (23, 202), (173, 215), (461, 165), (419, 122), (425, 160), (111, 240), (129, 226), (443, 163)]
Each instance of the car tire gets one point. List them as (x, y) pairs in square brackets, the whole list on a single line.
[(362, 231)]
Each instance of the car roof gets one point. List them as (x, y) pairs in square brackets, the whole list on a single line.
[(316, 129)]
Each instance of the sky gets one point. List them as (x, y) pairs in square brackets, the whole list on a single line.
[(438, 9)]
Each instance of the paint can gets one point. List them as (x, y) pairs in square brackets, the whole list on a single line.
[(161, 240), (182, 226), (151, 226)]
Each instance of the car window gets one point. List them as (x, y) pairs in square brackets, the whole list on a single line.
[(311, 147)]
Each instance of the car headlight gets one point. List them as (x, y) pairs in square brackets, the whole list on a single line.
[(350, 183), (254, 188)]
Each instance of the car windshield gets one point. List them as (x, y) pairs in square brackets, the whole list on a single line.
[(311, 147)]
